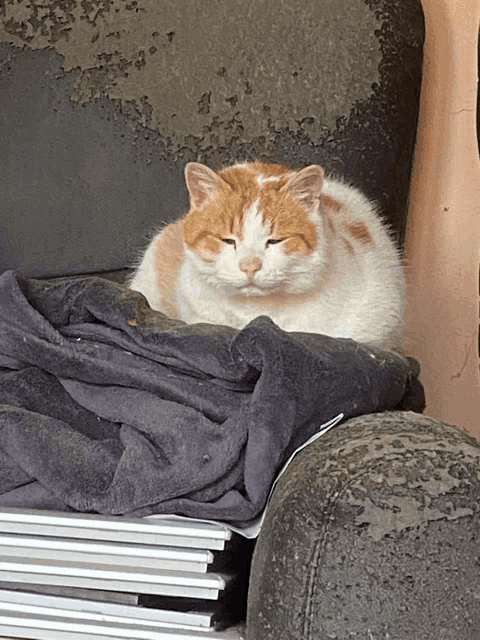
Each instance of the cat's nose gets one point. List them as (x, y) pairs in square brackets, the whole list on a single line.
[(250, 265)]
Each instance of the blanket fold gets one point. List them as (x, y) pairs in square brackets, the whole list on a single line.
[(110, 407)]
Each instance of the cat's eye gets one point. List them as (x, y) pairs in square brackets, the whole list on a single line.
[(229, 241), (274, 241)]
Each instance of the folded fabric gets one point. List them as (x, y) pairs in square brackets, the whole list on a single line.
[(107, 406)]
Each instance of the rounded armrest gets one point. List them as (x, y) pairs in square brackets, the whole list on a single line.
[(373, 532)]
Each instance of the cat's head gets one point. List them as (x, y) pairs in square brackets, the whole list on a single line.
[(255, 229)]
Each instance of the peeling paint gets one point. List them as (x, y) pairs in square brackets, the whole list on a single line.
[(377, 545), (403, 512), (211, 70)]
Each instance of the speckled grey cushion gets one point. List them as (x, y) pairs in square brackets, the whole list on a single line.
[(373, 533)]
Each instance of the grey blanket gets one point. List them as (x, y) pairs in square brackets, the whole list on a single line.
[(107, 406)]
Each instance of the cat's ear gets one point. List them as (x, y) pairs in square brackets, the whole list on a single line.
[(203, 184), (305, 185)]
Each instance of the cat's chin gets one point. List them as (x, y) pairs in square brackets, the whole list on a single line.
[(255, 291)]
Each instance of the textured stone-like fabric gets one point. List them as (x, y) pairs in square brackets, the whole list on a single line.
[(108, 406), (373, 532)]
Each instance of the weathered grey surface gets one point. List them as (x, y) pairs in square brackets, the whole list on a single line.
[(79, 188), (102, 103), (373, 533), (188, 65)]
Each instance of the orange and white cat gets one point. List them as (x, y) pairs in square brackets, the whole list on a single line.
[(308, 251)]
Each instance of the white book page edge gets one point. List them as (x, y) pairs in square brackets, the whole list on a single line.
[(11, 600), (168, 526), (32, 627)]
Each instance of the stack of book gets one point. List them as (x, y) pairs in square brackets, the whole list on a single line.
[(91, 577)]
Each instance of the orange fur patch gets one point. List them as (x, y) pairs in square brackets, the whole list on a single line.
[(349, 247), (169, 253), (360, 232), (331, 203), (241, 178), (287, 219), (331, 226), (270, 170), (224, 216)]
